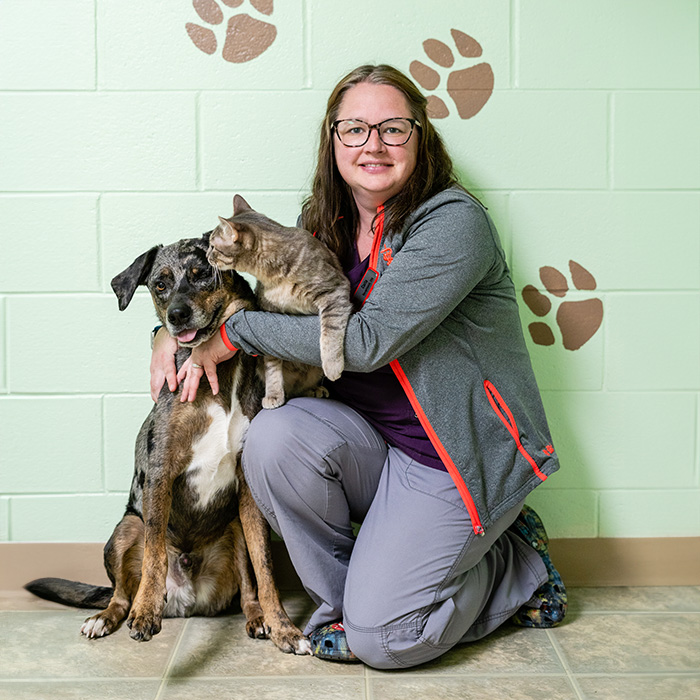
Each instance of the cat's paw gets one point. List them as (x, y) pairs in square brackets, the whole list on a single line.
[(470, 88), (273, 401), (246, 37), (578, 321), (318, 392), (333, 368)]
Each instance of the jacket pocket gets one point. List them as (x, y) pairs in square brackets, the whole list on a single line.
[(504, 413)]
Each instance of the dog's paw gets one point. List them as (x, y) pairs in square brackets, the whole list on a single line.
[(143, 623), (257, 629), (578, 321), (290, 640), (97, 626), (470, 88), (246, 37), (271, 401)]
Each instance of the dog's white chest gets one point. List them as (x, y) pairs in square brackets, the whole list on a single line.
[(215, 454)]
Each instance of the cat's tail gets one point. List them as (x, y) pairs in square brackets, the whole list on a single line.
[(73, 593)]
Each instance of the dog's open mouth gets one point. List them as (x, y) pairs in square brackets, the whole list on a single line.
[(187, 336), (191, 337)]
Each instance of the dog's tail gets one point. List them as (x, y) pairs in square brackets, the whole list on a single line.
[(73, 593)]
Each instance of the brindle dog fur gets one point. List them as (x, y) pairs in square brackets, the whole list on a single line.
[(183, 545)]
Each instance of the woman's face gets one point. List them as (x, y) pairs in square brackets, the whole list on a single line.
[(375, 172)]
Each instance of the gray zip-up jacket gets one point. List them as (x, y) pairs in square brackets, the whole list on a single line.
[(443, 315)]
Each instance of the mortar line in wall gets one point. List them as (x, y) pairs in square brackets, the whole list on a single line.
[(211, 190), (697, 440), (97, 53), (103, 450), (514, 44), (197, 142), (610, 141), (306, 52), (100, 242), (255, 91), (144, 295)]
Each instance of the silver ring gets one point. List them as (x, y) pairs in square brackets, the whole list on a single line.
[(196, 366)]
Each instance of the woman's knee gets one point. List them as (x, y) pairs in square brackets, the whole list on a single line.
[(391, 647)]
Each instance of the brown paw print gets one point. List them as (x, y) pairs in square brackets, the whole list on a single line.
[(469, 88), (578, 321), (246, 37)]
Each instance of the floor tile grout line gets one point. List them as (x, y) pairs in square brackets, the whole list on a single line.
[(368, 683), (564, 662), (640, 674), (665, 613), (171, 661)]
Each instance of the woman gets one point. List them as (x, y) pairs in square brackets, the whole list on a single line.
[(435, 433)]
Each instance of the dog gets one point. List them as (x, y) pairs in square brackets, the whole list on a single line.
[(191, 527)]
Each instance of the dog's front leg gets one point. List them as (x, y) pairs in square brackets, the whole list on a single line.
[(147, 609), (282, 631)]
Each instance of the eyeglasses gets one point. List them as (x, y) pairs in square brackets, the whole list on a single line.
[(392, 132)]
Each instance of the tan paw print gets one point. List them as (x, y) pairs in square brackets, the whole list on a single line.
[(469, 88), (246, 37), (578, 321)]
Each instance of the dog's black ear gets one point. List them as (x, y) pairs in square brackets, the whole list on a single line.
[(125, 283)]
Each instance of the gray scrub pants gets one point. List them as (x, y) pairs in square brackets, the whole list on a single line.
[(416, 580)]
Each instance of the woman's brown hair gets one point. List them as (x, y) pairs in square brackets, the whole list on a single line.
[(331, 198)]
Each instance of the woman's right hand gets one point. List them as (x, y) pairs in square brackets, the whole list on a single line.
[(163, 363)]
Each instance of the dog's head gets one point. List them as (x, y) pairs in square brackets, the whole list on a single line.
[(192, 298)]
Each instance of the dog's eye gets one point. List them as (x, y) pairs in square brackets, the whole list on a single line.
[(160, 286)]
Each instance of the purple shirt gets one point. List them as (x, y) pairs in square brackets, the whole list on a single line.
[(378, 397)]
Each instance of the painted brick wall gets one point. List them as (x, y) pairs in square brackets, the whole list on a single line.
[(118, 131)]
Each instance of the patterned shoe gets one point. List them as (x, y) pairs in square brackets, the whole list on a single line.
[(547, 606), (331, 644)]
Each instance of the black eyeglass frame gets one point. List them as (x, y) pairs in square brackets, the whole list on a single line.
[(413, 122)]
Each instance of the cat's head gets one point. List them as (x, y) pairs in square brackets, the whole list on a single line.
[(232, 237)]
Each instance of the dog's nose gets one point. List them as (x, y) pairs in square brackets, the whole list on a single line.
[(179, 314)]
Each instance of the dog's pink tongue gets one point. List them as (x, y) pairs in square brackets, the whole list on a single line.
[(187, 336)]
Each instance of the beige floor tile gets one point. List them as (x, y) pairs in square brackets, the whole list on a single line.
[(220, 647), (79, 690), (625, 599), (639, 688), (269, 689), (23, 600), (472, 688), (49, 645), (508, 650), (631, 643)]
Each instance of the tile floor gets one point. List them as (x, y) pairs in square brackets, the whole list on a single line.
[(618, 644)]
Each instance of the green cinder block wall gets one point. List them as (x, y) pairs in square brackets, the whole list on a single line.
[(125, 124)]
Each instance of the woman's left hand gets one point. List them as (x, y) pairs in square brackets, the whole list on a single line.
[(203, 360)]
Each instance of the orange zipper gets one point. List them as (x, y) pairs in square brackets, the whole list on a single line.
[(439, 448)]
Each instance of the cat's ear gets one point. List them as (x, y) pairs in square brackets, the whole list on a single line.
[(228, 229), (240, 205)]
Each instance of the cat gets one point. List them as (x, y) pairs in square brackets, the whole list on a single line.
[(296, 274)]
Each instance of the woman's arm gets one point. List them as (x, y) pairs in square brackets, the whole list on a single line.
[(450, 248)]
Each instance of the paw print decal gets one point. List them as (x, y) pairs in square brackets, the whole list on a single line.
[(470, 88), (246, 37), (578, 321)]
